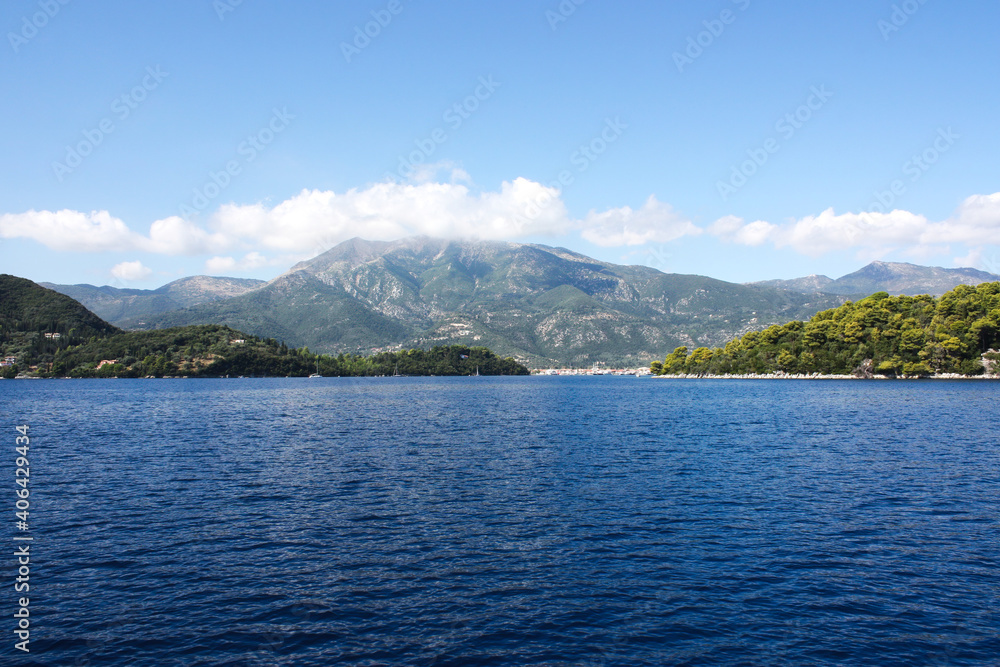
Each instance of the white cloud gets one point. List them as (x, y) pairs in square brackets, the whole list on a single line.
[(459, 175), (314, 220), (430, 172), (655, 222), (129, 271), (96, 231), (226, 265), (817, 234), (735, 230), (975, 222), (176, 236), (387, 211), (244, 237), (99, 231), (972, 260)]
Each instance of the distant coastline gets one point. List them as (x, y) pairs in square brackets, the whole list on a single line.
[(824, 376)]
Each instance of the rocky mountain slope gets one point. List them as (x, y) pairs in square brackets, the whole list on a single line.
[(541, 304), (117, 304), (896, 278)]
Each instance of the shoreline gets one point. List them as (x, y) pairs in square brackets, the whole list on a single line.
[(823, 376)]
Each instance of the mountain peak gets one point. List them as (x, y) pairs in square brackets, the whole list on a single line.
[(903, 278), (537, 302)]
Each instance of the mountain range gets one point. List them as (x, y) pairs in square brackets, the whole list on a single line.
[(115, 304), (896, 278), (542, 305)]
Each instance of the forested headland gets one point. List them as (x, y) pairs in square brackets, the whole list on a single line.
[(894, 336), (216, 351)]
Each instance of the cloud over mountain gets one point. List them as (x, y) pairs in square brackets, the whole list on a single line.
[(975, 222), (314, 220)]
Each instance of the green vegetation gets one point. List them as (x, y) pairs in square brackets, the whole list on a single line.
[(27, 308), (38, 323), (50, 335), (214, 351), (882, 334)]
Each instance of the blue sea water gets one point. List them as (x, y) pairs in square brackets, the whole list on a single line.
[(507, 521)]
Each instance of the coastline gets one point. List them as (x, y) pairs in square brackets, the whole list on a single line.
[(683, 376), (822, 376)]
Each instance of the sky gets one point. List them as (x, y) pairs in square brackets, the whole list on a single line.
[(739, 139)]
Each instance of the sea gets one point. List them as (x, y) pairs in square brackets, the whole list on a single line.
[(502, 521)]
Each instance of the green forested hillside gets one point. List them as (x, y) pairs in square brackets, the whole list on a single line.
[(214, 351), (46, 334), (26, 307), (36, 322), (882, 334), (298, 309)]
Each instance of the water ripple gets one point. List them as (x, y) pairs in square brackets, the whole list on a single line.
[(510, 521)]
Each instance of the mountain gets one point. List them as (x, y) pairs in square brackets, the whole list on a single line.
[(813, 283), (906, 279), (115, 304), (540, 304), (296, 308), (26, 307), (47, 334), (896, 278), (36, 323)]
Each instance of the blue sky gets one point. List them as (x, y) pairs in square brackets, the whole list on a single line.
[(733, 138)]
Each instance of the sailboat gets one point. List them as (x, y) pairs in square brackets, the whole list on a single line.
[(316, 374), (477, 372), (395, 373)]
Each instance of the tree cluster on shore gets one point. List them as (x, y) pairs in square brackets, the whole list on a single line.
[(215, 351), (886, 335)]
